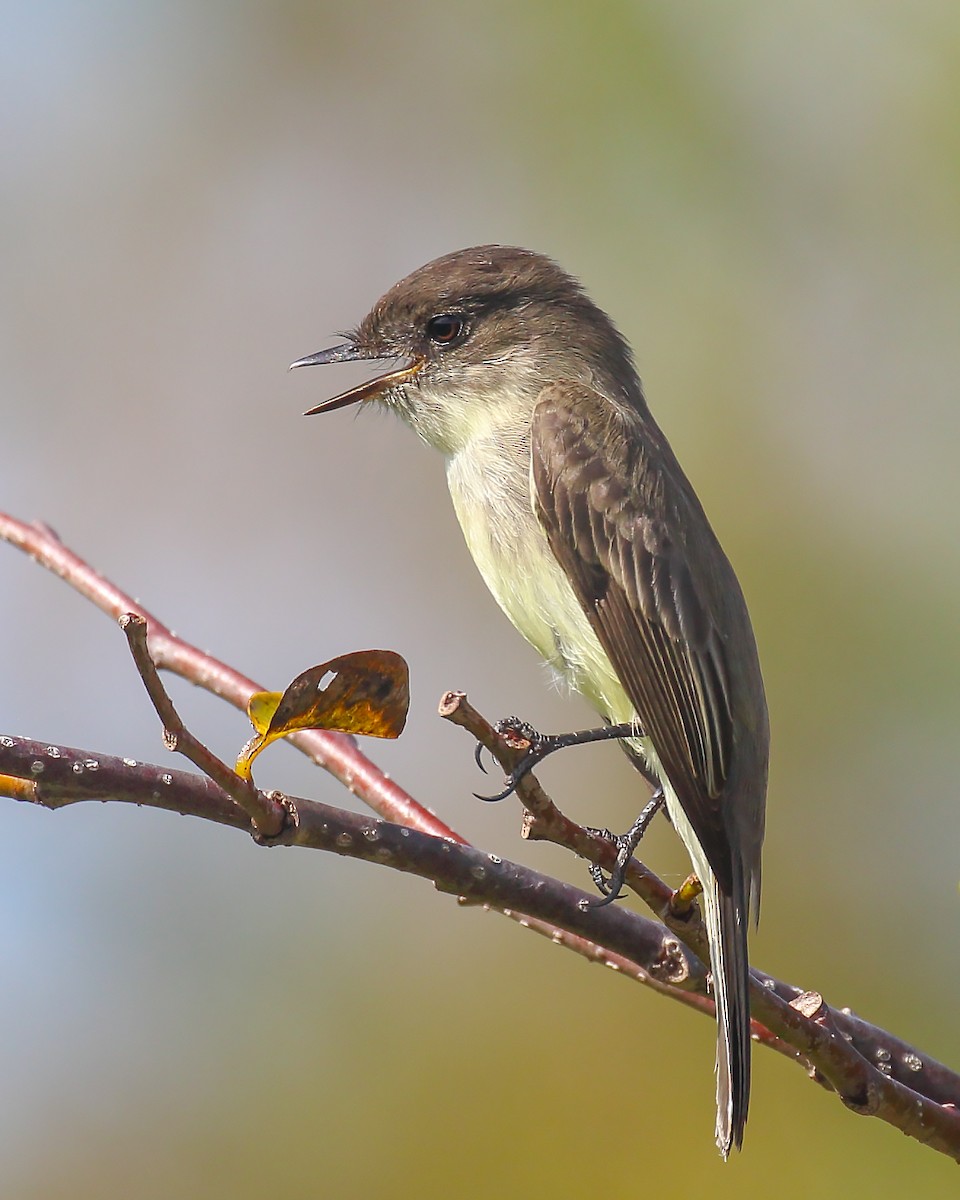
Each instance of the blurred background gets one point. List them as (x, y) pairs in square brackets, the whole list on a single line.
[(766, 199)]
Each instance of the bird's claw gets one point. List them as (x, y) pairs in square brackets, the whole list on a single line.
[(612, 887), (519, 735), (626, 844)]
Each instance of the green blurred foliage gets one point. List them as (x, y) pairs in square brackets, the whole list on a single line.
[(766, 199)]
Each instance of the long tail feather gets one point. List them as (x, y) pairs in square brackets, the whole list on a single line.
[(726, 918)]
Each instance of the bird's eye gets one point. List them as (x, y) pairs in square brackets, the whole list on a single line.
[(446, 328)]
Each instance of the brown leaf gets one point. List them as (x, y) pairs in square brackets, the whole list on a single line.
[(365, 692)]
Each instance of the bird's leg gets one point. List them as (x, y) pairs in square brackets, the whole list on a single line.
[(522, 735), (626, 844)]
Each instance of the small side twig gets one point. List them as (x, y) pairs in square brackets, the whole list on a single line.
[(544, 821), (268, 816)]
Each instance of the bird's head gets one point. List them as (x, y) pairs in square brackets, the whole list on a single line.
[(478, 334)]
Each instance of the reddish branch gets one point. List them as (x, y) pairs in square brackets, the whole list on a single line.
[(872, 1072), (336, 752)]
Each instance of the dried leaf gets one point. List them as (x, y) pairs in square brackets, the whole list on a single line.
[(365, 692)]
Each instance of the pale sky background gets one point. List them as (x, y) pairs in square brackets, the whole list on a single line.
[(766, 199)]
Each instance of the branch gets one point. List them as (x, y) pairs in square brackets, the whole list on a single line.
[(336, 752), (268, 817), (56, 776), (829, 1043), (873, 1072), (543, 820)]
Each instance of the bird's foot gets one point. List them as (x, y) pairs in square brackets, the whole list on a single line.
[(521, 735), (626, 844)]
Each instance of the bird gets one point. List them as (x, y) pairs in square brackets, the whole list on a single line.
[(593, 542)]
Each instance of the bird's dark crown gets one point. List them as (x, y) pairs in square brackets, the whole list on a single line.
[(484, 304)]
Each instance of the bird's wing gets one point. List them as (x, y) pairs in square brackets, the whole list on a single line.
[(617, 523)]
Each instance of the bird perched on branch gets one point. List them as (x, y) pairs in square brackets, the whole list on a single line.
[(594, 544)]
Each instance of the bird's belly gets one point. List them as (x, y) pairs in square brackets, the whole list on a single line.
[(513, 556)]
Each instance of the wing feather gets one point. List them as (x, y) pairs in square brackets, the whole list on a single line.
[(613, 516)]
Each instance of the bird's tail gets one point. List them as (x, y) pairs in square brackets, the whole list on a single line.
[(726, 918)]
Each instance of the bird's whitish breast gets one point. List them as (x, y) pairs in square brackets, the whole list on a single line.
[(491, 495)]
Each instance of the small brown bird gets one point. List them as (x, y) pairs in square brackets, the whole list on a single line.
[(593, 542)]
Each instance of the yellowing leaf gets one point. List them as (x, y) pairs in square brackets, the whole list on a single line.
[(261, 709), (365, 692)]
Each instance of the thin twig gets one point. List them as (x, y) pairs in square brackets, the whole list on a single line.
[(267, 815), (546, 822)]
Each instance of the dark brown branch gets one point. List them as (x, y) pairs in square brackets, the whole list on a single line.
[(872, 1072), (57, 776), (827, 1042), (460, 870)]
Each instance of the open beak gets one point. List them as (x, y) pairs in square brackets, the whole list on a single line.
[(348, 352)]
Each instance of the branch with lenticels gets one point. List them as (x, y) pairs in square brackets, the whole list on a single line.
[(873, 1072)]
